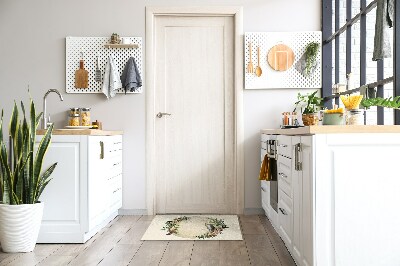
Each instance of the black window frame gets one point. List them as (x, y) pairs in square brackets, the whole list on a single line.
[(328, 37)]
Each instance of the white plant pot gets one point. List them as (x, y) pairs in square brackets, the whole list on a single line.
[(19, 226)]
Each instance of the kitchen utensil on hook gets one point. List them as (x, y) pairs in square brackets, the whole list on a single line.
[(98, 72), (250, 67), (258, 69)]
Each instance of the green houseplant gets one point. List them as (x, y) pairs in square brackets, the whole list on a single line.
[(309, 105), (22, 181), (311, 56)]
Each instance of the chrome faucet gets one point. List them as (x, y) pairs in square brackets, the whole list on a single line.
[(44, 120)]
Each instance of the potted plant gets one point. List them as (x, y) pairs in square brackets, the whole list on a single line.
[(311, 57), (22, 181), (309, 104)]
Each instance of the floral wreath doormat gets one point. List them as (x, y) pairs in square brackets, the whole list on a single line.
[(194, 227)]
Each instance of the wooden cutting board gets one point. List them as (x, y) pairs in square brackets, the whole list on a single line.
[(81, 77), (280, 57)]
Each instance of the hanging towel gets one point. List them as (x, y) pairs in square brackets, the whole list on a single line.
[(367, 93), (111, 81), (265, 171), (131, 79), (384, 21)]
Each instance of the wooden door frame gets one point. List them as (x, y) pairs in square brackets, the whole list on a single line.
[(151, 14)]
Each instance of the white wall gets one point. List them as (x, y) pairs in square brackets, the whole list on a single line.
[(32, 49)]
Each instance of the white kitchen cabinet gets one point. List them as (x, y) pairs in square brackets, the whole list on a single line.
[(86, 188), (344, 196), (303, 200)]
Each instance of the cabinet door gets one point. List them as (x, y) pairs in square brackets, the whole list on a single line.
[(98, 197), (297, 204), (64, 219), (307, 201), (303, 202)]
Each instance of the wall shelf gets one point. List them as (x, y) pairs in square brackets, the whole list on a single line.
[(135, 46)]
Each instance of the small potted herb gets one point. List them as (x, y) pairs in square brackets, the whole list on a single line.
[(311, 56), (309, 105)]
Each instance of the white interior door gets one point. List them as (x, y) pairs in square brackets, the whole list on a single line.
[(194, 82)]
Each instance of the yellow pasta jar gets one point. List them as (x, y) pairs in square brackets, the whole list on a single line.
[(85, 117)]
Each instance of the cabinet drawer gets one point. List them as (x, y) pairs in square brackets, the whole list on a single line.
[(284, 146), (285, 218), (285, 175)]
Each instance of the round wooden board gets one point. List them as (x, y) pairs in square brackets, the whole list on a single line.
[(280, 57)]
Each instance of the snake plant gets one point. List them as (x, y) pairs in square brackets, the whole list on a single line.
[(21, 178)]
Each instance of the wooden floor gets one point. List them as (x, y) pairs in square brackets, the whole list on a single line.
[(119, 244)]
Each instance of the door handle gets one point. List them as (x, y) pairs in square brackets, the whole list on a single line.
[(101, 150), (159, 115)]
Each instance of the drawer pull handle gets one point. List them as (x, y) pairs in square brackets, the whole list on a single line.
[(101, 150), (283, 175), (282, 145), (263, 189), (283, 211)]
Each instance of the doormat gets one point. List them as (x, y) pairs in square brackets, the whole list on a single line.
[(194, 227)]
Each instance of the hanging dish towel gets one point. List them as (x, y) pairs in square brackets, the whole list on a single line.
[(265, 171), (384, 21), (130, 78), (111, 82)]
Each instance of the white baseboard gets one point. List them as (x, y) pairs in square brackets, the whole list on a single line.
[(246, 211), (132, 211), (253, 211)]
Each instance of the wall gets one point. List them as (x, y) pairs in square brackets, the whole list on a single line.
[(32, 50)]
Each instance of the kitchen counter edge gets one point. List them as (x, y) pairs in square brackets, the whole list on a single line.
[(87, 132), (311, 130)]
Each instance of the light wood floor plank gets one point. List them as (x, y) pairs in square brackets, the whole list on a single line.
[(233, 253), (251, 225), (261, 251), (204, 253), (177, 253), (136, 232), (40, 253), (150, 253), (56, 260), (120, 255), (284, 256), (105, 243)]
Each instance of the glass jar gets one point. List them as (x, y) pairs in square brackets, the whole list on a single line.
[(73, 120), (74, 111), (85, 117), (355, 117)]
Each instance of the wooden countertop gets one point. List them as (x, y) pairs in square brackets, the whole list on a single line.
[(88, 132), (311, 130)]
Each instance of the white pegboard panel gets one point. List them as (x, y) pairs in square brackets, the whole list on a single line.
[(291, 78), (91, 46)]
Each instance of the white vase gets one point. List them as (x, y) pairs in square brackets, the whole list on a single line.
[(19, 226)]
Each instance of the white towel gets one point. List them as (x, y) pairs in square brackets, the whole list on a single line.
[(112, 81)]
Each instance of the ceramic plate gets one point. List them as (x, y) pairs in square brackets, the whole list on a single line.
[(78, 127)]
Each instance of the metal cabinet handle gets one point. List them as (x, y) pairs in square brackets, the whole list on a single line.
[(282, 175), (282, 145), (263, 189), (160, 115), (283, 211), (297, 164), (101, 150)]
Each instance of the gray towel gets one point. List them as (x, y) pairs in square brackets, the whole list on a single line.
[(384, 21), (130, 78)]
